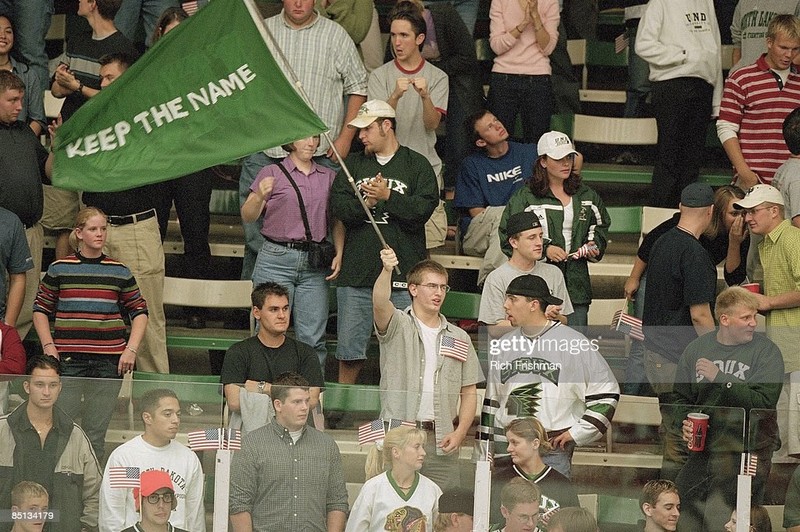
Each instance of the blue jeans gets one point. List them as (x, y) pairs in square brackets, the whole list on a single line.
[(89, 393), (253, 240), (529, 96), (148, 11), (561, 459), (355, 319), (638, 80), (308, 291), (31, 20)]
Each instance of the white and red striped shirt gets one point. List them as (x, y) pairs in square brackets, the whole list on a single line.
[(754, 100)]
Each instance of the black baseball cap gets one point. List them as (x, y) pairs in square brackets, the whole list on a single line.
[(522, 221), (532, 286), (697, 195)]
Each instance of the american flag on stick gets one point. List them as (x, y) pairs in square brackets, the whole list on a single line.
[(454, 348), (215, 439), (394, 423), (190, 7), (123, 477), (370, 432), (620, 43), (749, 464), (627, 324)]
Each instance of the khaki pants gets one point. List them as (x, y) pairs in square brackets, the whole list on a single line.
[(483, 240), (436, 227), (60, 208), (138, 246), (35, 237), (788, 408)]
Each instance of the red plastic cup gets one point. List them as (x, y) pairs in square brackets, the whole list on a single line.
[(753, 287), (699, 430)]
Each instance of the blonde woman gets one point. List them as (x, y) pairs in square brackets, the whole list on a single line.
[(394, 487), (88, 293)]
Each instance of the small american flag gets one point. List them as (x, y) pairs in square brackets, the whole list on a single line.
[(454, 348), (627, 324), (620, 43), (394, 423), (215, 439), (370, 432), (123, 477), (749, 464), (190, 7)]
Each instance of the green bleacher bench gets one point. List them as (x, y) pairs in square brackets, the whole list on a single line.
[(641, 175), (461, 306), (625, 219)]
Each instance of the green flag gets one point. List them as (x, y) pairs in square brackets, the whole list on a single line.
[(207, 93)]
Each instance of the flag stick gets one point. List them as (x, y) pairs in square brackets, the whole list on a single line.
[(270, 40)]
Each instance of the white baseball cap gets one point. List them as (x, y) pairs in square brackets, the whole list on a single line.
[(759, 194), (555, 145), (371, 111)]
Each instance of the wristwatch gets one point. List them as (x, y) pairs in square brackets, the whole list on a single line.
[(261, 386)]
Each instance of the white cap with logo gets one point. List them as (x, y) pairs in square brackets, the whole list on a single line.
[(371, 111), (555, 145)]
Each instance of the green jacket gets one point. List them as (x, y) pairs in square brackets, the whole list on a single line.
[(590, 222), (401, 218)]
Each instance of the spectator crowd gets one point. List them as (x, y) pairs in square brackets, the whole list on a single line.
[(359, 209)]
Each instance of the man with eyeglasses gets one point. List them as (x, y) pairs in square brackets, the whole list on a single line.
[(779, 299), (520, 506), (155, 500), (527, 243), (40, 443), (546, 370), (427, 365)]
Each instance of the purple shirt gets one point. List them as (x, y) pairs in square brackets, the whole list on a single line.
[(282, 219)]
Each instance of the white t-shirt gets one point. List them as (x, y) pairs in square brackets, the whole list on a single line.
[(429, 337)]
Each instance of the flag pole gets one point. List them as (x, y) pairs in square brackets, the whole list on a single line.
[(270, 40)]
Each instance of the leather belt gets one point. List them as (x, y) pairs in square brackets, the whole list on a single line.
[(427, 425), (299, 246), (131, 218)]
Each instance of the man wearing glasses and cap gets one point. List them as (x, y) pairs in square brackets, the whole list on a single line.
[(779, 300), (154, 499), (548, 370)]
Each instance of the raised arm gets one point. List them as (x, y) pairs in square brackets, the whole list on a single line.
[(382, 306)]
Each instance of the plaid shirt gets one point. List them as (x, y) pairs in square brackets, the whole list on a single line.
[(325, 59), (780, 257), (285, 485)]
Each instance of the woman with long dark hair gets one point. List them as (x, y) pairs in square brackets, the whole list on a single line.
[(573, 217)]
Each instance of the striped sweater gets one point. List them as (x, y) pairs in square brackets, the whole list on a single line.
[(754, 100), (89, 298)]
